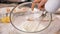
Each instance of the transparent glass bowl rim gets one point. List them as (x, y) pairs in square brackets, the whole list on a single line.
[(25, 31)]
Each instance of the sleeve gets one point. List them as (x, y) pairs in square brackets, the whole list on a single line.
[(52, 5)]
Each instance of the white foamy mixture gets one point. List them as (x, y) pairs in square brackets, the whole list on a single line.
[(31, 26), (30, 23)]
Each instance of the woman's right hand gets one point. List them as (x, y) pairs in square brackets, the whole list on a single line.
[(41, 4)]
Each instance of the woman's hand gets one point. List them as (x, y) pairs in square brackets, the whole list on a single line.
[(41, 4)]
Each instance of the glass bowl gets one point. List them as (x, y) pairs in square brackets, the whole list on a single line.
[(29, 21)]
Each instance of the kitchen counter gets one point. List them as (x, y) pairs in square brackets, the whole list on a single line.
[(9, 29), (8, 5)]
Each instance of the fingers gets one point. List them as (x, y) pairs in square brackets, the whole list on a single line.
[(34, 3), (42, 4)]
